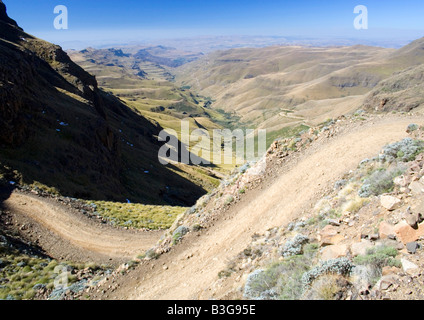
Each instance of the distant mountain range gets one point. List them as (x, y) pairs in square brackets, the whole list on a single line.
[(280, 86)]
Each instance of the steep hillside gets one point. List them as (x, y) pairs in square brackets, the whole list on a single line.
[(404, 91), (60, 131), (148, 89)]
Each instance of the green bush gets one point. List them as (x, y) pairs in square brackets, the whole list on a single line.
[(375, 260), (380, 181), (379, 257), (281, 280)]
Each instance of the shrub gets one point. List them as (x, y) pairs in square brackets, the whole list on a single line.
[(179, 233), (405, 150), (151, 254), (328, 287), (229, 200), (374, 261), (294, 246), (380, 181), (341, 266), (282, 280), (379, 257)]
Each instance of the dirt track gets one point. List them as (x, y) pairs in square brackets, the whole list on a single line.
[(65, 233), (192, 267), (190, 270)]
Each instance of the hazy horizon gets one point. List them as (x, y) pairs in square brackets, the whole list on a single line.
[(109, 23)]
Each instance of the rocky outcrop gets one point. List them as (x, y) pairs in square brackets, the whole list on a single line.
[(4, 17)]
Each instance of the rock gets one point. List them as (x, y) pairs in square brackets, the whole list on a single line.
[(412, 218), (374, 237), (402, 181), (329, 235), (412, 247), (389, 270), (361, 248), (387, 281), (390, 243), (409, 267), (416, 188), (386, 230), (405, 233), (334, 222), (334, 252), (390, 203)]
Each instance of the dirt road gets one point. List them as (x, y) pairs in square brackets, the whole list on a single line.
[(64, 232), (190, 270)]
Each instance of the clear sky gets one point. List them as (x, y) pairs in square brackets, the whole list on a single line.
[(144, 20)]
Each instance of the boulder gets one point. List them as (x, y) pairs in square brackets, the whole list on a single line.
[(386, 230), (329, 235), (334, 252), (405, 233), (412, 218), (390, 203), (389, 270), (412, 247), (416, 188), (409, 267), (402, 181), (387, 281), (361, 248)]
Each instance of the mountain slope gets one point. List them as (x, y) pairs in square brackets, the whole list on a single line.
[(282, 86), (259, 84), (58, 129), (404, 91)]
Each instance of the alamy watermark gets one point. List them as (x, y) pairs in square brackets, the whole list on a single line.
[(60, 22), (361, 20), (61, 281)]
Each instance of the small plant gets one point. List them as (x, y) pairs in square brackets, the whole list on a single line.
[(375, 259), (151, 254), (197, 227), (229, 200), (341, 266), (405, 150), (281, 280), (294, 246), (379, 257), (179, 233), (381, 181), (224, 274)]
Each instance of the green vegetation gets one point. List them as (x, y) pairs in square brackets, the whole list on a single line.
[(287, 132), (379, 257), (137, 215), (282, 280), (376, 259), (21, 274), (380, 181)]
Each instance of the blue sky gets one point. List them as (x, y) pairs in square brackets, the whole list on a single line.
[(135, 19)]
